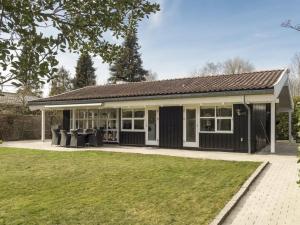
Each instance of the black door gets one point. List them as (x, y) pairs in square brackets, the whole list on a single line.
[(171, 127)]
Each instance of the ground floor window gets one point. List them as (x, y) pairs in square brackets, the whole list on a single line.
[(133, 119), (216, 119)]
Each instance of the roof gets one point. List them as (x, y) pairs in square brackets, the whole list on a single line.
[(9, 98), (238, 82)]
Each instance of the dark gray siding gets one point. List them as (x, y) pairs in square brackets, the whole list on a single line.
[(132, 138), (237, 141), (66, 119), (171, 127), (259, 132)]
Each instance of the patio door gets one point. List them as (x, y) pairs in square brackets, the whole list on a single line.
[(151, 124), (190, 127)]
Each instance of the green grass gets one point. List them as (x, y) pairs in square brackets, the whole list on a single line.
[(42, 187)]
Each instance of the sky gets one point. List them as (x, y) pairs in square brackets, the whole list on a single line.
[(186, 34)]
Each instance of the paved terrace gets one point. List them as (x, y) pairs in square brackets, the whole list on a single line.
[(274, 198)]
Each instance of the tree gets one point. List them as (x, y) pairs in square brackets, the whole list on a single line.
[(236, 66), (209, 69), (295, 75), (151, 76), (128, 66), (289, 24), (231, 66), (85, 72), (75, 25), (61, 82)]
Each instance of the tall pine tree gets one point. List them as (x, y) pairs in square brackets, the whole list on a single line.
[(61, 82), (85, 72), (128, 67)]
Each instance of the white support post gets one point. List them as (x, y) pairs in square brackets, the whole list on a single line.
[(74, 119), (43, 125), (290, 127), (273, 121)]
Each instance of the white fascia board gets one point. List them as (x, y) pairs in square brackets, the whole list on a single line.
[(280, 83), (266, 98), (249, 99), (71, 106)]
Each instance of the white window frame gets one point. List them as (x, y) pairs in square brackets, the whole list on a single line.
[(132, 118), (216, 118), (187, 143), (152, 142)]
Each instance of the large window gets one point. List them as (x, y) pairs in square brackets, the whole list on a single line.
[(216, 119), (133, 119)]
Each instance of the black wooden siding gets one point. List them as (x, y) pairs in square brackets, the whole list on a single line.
[(260, 129), (132, 138), (171, 127), (66, 119), (236, 141)]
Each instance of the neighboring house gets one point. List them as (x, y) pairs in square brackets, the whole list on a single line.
[(13, 103), (224, 112)]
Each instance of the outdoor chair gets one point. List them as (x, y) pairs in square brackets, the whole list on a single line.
[(95, 139), (77, 140), (55, 136), (65, 138)]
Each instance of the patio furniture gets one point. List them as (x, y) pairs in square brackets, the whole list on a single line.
[(55, 136), (65, 138), (95, 139), (77, 139)]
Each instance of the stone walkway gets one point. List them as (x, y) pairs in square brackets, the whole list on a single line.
[(274, 198)]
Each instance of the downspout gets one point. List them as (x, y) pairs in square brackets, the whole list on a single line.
[(249, 124)]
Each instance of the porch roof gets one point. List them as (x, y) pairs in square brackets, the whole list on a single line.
[(222, 84)]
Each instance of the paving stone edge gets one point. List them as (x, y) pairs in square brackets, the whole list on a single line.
[(220, 218)]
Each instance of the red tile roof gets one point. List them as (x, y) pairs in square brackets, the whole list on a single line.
[(244, 81)]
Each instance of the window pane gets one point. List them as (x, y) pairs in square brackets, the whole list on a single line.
[(112, 124), (126, 124), (126, 113), (224, 111), (190, 125), (224, 124), (113, 114), (207, 124), (139, 114), (102, 124), (90, 124), (207, 111), (151, 125), (90, 114), (81, 114), (139, 124), (103, 114)]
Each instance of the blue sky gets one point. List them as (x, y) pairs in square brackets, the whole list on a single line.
[(186, 34)]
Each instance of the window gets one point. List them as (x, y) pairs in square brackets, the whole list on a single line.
[(133, 119), (216, 119)]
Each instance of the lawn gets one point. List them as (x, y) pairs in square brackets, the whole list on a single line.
[(43, 187)]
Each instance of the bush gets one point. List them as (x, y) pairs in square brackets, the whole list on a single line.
[(282, 125), (1, 142)]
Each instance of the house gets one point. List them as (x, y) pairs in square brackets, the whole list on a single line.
[(223, 112), (13, 102)]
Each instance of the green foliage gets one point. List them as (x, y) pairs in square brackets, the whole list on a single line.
[(46, 27), (85, 72), (128, 66), (282, 125), (61, 82), (1, 142), (43, 187)]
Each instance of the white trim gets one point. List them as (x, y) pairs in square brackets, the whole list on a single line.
[(43, 125), (73, 106), (151, 142), (196, 142), (273, 121)]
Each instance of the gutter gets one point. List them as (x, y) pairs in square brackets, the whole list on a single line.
[(249, 124)]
